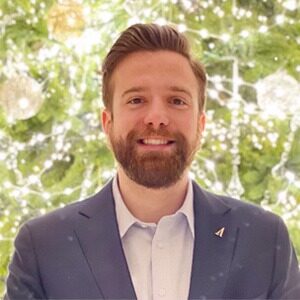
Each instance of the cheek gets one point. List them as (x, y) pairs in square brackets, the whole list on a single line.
[(121, 127), (126, 120), (189, 125), (192, 130)]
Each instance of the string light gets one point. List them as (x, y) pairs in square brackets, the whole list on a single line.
[(225, 37), (204, 33), (263, 29)]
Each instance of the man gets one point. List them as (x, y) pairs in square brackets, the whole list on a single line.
[(152, 233)]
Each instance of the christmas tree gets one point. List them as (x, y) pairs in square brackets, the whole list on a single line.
[(52, 148)]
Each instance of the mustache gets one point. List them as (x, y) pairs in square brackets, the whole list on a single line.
[(149, 132)]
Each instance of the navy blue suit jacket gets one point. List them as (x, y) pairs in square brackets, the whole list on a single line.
[(76, 253)]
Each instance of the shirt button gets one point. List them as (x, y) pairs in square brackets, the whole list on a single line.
[(162, 292)]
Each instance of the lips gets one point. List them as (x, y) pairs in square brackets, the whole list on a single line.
[(155, 141)]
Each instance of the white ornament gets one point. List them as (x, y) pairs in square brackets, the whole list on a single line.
[(291, 5), (235, 188), (21, 97), (278, 93)]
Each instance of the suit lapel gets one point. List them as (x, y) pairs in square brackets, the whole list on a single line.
[(98, 235), (213, 252)]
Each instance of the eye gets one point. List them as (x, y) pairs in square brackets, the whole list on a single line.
[(178, 101), (136, 100)]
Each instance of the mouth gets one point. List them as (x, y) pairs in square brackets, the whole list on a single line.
[(155, 143)]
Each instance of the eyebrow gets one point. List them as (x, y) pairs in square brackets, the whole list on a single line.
[(172, 88), (133, 90), (181, 90)]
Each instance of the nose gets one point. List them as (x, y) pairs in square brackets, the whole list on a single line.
[(156, 115)]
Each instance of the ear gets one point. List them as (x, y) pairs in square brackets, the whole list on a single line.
[(202, 122), (106, 119)]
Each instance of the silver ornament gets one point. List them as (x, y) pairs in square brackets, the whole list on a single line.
[(278, 93), (21, 97)]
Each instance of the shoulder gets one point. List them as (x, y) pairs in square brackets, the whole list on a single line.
[(72, 213), (241, 212)]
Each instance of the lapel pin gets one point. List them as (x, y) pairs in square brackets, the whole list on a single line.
[(220, 232)]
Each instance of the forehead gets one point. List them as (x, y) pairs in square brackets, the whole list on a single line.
[(153, 68)]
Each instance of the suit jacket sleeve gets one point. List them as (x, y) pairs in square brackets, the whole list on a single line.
[(286, 275), (23, 281)]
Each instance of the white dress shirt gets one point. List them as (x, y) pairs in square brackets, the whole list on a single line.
[(159, 256)]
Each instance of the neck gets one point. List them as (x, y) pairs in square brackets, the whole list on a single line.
[(150, 205)]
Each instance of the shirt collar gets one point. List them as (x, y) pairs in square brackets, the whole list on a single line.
[(188, 207), (126, 219), (124, 216)]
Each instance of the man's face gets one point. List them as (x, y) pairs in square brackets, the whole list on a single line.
[(155, 124)]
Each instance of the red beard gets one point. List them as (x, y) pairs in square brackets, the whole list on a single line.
[(153, 169)]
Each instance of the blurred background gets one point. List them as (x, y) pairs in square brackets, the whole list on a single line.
[(52, 148)]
